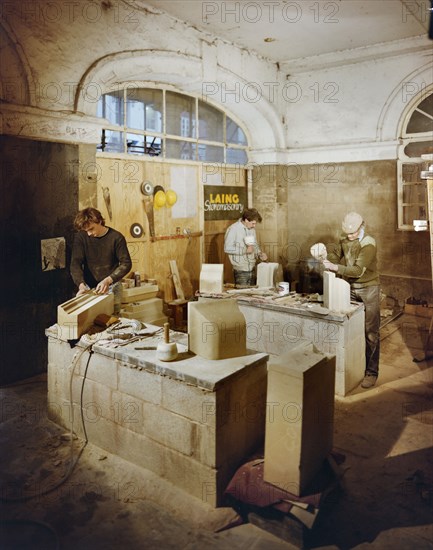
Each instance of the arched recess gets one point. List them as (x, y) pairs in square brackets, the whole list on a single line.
[(401, 101), (185, 74), (411, 195), (16, 81)]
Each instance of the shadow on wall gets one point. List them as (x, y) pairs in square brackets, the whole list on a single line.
[(40, 194), (300, 269)]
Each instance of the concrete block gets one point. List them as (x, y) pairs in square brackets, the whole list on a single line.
[(171, 430), (205, 448), (194, 403), (299, 419), (92, 397), (129, 445), (167, 428), (140, 384), (197, 479), (99, 369)]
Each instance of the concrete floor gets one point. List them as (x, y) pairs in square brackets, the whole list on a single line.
[(385, 434)]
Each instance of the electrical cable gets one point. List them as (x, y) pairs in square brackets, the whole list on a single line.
[(72, 463)]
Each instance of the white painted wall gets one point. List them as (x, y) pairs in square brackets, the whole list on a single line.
[(332, 108)]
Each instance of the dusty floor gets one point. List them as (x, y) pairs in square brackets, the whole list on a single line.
[(385, 434)]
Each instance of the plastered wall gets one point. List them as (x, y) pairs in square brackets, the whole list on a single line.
[(304, 204)]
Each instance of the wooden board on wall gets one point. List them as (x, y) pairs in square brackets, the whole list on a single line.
[(123, 178), (214, 230), (214, 246)]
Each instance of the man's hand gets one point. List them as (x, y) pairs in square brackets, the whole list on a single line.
[(330, 266), (82, 289), (263, 256), (103, 286)]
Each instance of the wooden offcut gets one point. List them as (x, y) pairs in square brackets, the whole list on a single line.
[(176, 280)]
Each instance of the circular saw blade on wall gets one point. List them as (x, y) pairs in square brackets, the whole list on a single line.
[(147, 188), (136, 230)]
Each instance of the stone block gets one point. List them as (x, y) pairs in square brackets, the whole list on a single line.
[(199, 480), (212, 278), (336, 293), (299, 419), (138, 293), (216, 329), (76, 316), (241, 413), (60, 353), (163, 417), (205, 448), (267, 274)]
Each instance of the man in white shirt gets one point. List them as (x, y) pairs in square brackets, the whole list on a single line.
[(240, 243)]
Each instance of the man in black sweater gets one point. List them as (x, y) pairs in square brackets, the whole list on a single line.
[(100, 257)]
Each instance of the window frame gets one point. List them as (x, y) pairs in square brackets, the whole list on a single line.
[(407, 138), (165, 137)]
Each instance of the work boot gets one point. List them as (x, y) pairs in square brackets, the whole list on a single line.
[(369, 380)]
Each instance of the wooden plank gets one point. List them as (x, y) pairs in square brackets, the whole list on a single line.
[(176, 280)]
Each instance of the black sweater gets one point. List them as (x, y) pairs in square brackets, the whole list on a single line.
[(94, 258)]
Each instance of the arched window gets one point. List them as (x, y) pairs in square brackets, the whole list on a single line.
[(161, 123), (417, 140)]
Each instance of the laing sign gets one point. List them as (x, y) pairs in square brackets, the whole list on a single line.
[(223, 202)]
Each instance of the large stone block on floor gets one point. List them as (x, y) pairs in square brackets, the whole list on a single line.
[(299, 418)]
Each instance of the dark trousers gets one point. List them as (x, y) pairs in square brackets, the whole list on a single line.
[(370, 297), (243, 278)]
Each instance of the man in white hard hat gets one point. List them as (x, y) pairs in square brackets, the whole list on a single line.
[(355, 259)]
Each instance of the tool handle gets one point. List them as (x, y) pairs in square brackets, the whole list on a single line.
[(166, 333)]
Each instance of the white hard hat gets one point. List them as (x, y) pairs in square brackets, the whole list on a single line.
[(352, 222)]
